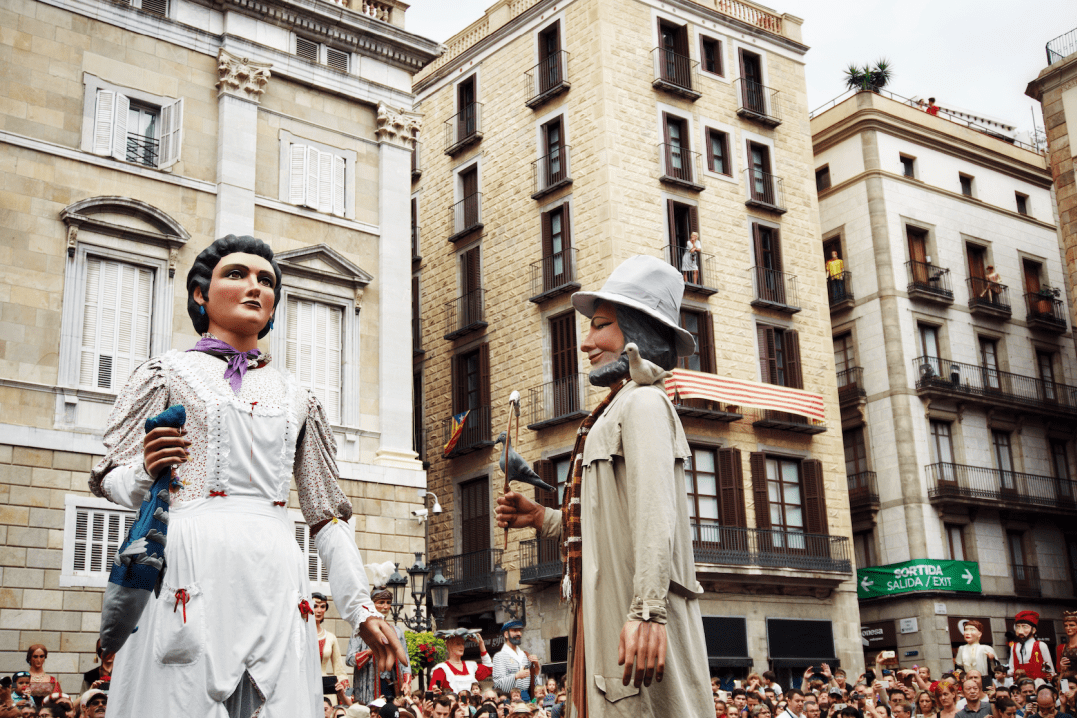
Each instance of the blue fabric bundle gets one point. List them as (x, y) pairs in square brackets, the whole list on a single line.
[(140, 562)]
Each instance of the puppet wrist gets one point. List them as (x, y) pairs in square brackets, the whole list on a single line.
[(651, 610)]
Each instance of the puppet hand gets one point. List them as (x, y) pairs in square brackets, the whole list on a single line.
[(642, 651), (381, 637), (518, 512), (163, 447)]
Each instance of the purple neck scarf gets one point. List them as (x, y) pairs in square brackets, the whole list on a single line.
[(237, 360)]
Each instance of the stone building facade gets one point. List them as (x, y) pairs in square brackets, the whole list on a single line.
[(955, 368), (559, 139), (131, 135)]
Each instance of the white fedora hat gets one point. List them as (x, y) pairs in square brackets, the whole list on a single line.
[(649, 285)]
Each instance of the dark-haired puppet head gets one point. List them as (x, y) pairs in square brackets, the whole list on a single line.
[(201, 276)]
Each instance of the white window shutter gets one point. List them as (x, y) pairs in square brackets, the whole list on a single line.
[(119, 127), (171, 134), (102, 122), (297, 175), (312, 177), (90, 316), (116, 322), (314, 351), (339, 204), (98, 535), (325, 182), (316, 571), (291, 353)]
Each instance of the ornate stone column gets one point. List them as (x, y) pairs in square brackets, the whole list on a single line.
[(396, 133), (239, 90)]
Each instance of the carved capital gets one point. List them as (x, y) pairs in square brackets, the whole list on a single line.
[(398, 127), (240, 77)]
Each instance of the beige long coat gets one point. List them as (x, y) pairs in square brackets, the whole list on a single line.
[(637, 555)]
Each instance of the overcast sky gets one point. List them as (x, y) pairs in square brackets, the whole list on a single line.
[(977, 56)]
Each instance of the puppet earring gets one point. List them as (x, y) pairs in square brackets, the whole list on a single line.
[(270, 325), (202, 310)]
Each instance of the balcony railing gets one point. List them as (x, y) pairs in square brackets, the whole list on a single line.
[(551, 172), (994, 487), (465, 314), (707, 409), (839, 290), (469, 573), (415, 256), (989, 298), (416, 160), (547, 79), (417, 336), (775, 290), (142, 150), (765, 191), (675, 73), (935, 375), (851, 385), (466, 216), (703, 277), (1062, 47), (540, 560), (757, 102), (1045, 312), (770, 548), (783, 421), (463, 128), (681, 166), (475, 436), (863, 490), (927, 281), (557, 402), (1026, 580), (554, 275)]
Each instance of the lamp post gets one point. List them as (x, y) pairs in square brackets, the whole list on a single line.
[(513, 605), (438, 589)]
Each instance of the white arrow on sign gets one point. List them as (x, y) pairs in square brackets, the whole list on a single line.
[(969, 578), (866, 583)]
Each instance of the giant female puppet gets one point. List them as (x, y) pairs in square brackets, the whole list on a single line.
[(637, 636), (229, 634)]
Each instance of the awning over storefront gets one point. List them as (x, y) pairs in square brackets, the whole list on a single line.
[(688, 384), (727, 641)]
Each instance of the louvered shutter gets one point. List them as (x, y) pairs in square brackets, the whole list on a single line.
[(459, 383), (314, 351), (484, 375), (313, 183), (693, 219), (566, 229), (547, 236), (757, 462), (731, 487), (336, 59), (119, 127), (339, 165), (814, 497), (98, 535), (297, 175), (316, 570), (707, 362), (306, 49), (794, 377), (325, 182), (671, 219), (768, 363), (116, 327), (171, 133), (102, 122), (708, 139), (547, 471)]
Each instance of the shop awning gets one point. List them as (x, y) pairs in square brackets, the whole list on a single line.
[(688, 384)]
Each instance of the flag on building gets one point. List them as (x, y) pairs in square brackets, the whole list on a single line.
[(457, 428)]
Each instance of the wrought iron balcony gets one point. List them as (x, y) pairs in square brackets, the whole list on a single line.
[(926, 281), (416, 160), (417, 336), (465, 314), (548, 79), (143, 150), (463, 129), (989, 299), (681, 167), (557, 402), (851, 385), (975, 485), (466, 216), (784, 421), (992, 387), (469, 574), (475, 436), (1062, 47), (675, 73), (701, 280), (863, 491), (839, 290), (770, 548), (1026, 580), (540, 561), (551, 173), (757, 102), (707, 409), (1045, 311), (775, 290), (765, 191), (554, 275)]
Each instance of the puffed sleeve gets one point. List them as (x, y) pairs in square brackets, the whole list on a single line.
[(316, 471), (120, 476)]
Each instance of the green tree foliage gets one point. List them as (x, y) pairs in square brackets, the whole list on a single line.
[(423, 639), (868, 77)]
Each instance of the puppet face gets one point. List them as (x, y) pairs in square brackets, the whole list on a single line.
[(1023, 630), (1070, 627), (240, 294), (455, 646), (604, 342), (972, 634), (320, 607), (37, 660), (383, 605)]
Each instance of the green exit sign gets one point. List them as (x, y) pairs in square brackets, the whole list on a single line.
[(918, 575)]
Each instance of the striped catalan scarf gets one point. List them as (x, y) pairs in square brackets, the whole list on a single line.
[(572, 544)]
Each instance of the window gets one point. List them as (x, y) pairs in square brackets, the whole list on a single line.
[(1032, 272), (317, 179), (715, 483), (116, 312), (554, 472), (718, 152), (789, 498), (674, 63), (955, 542), (322, 54), (93, 531), (550, 72), (941, 446), (468, 211), (1022, 203), (966, 184), (471, 392), (977, 256), (918, 253), (681, 220), (864, 549), (701, 478), (467, 118), (418, 443), (822, 178), (752, 95), (471, 284), (769, 279), (1045, 363), (317, 572), (856, 454), (700, 326), (1000, 441), (553, 165), (844, 352), (474, 523), (908, 166), (415, 229), (1015, 543), (779, 356), (567, 387), (557, 265), (677, 157), (156, 7), (1060, 461), (710, 53), (315, 350), (989, 362), (136, 131), (761, 185)]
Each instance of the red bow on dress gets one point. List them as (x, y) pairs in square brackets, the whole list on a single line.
[(182, 597), (305, 610)]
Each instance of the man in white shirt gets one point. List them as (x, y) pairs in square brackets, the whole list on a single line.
[(513, 668), (794, 708)]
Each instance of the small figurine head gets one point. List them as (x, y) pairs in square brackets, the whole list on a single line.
[(383, 600), (248, 285), (973, 631)]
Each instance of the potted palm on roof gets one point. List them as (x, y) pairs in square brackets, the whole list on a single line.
[(868, 78)]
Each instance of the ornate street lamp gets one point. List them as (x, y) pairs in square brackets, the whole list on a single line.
[(420, 619), (439, 593), (513, 605)]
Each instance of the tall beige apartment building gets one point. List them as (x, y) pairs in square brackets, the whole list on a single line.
[(560, 138), (132, 134)]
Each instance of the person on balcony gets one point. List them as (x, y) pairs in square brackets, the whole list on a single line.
[(513, 668), (991, 284), (690, 259), (1027, 653), (623, 526), (835, 276)]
